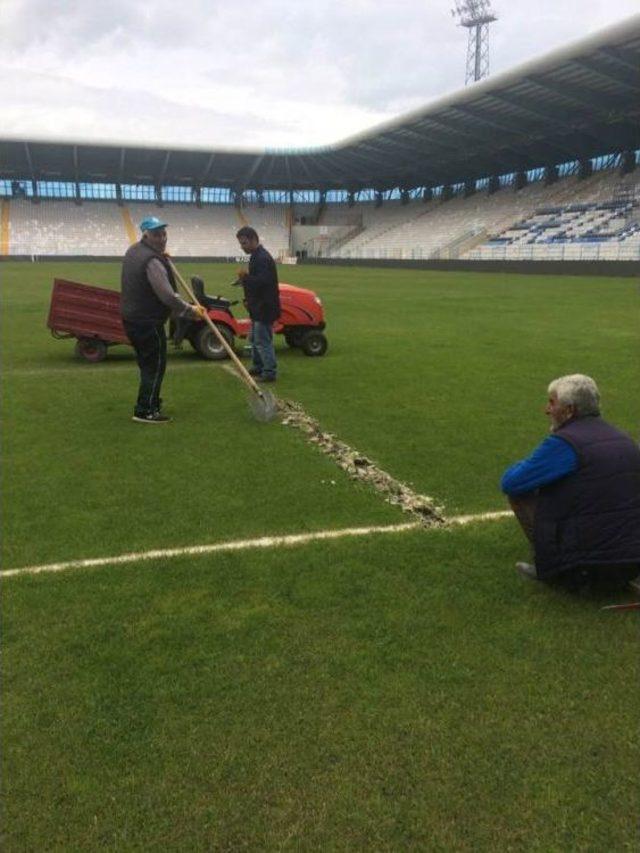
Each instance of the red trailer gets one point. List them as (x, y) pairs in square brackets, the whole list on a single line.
[(92, 315)]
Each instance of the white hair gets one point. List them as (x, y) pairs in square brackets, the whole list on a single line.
[(576, 390)]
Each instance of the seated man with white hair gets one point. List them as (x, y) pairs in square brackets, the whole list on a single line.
[(577, 496)]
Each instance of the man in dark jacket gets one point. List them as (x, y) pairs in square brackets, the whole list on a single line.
[(148, 297), (262, 298), (577, 497)]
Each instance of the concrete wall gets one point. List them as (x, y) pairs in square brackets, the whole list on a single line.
[(627, 269), (604, 268)]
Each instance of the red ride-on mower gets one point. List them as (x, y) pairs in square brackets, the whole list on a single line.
[(301, 321)]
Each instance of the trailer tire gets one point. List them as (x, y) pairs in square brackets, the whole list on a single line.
[(314, 343), (209, 346), (91, 349)]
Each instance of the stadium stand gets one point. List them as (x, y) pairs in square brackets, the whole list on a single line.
[(195, 231), (104, 229), (447, 229), (63, 228), (601, 221)]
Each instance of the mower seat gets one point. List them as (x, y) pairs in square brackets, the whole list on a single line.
[(209, 301)]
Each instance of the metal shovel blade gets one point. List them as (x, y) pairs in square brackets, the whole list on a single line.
[(263, 405)]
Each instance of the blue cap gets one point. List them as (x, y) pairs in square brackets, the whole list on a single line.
[(150, 223)]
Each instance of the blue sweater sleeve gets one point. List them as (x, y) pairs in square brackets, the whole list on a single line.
[(552, 459)]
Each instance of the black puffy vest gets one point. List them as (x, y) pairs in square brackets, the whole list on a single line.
[(591, 517), (139, 303)]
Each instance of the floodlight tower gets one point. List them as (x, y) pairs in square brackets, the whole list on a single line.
[(475, 15)]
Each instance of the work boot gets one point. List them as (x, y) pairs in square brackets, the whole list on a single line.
[(151, 418), (527, 570)]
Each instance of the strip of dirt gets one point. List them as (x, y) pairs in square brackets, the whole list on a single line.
[(359, 467)]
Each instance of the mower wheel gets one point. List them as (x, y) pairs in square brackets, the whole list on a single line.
[(209, 346), (314, 343), (294, 337), (91, 349)]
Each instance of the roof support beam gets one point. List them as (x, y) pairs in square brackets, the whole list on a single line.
[(32, 172), (620, 78), (267, 172), (496, 124), (287, 168), (163, 168), (467, 158), (431, 143), (397, 141), (372, 160), (622, 56), (330, 172), (546, 115), (76, 177), (207, 169), (497, 144), (123, 154), (337, 165), (303, 164), (586, 99), (242, 184)]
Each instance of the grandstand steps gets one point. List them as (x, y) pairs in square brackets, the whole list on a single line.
[(459, 245), (129, 227), (338, 242), (4, 227)]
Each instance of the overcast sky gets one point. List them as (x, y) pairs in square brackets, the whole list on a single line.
[(267, 73)]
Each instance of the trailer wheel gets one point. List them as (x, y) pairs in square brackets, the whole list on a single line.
[(314, 343), (209, 346), (91, 349)]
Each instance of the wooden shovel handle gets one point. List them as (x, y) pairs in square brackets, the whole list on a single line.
[(242, 370)]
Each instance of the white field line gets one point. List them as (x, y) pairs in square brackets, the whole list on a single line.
[(94, 370), (480, 516), (243, 545)]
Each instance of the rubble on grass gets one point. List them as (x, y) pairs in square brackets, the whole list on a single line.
[(359, 467)]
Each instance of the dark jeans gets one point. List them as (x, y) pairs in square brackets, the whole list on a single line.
[(594, 577), (263, 354), (149, 340)]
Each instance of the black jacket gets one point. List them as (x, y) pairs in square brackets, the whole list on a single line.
[(261, 293)]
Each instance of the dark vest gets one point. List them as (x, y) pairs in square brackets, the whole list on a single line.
[(591, 517), (139, 303)]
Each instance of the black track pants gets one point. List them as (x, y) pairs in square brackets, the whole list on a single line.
[(150, 343)]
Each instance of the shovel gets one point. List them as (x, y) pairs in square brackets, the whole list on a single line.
[(261, 401)]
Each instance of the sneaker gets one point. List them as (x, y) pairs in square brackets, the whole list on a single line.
[(265, 378), (527, 570), (255, 371), (151, 418)]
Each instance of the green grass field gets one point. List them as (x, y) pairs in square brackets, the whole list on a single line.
[(399, 691)]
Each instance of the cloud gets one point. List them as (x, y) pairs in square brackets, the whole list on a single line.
[(272, 74)]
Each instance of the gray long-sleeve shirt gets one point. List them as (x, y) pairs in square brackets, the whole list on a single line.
[(159, 281)]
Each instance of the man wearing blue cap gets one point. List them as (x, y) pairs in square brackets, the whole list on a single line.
[(148, 299)]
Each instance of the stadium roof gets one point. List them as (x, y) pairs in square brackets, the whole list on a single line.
[(577, 102)]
